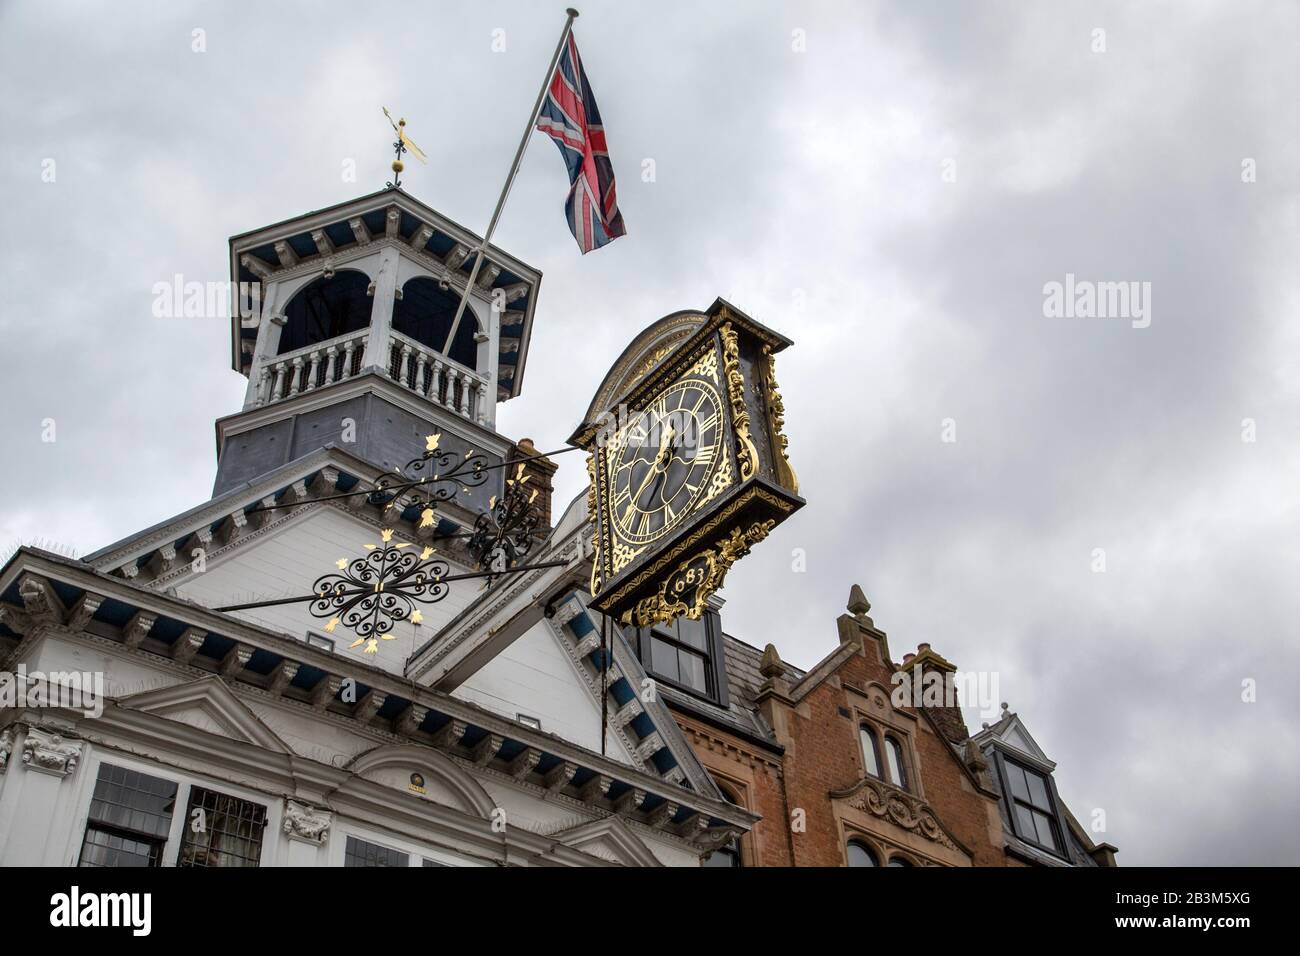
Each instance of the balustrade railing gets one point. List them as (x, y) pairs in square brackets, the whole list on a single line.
[(434, 376), (418, 367), (310, 368)]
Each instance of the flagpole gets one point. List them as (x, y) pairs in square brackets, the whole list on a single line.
[(571, 15)]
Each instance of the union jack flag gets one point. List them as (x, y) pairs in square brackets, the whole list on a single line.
[(570, 117)]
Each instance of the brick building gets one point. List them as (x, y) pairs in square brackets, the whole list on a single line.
[(861, 781)]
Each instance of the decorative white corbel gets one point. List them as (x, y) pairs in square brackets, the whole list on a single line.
[(570, 608), (650, 746), (284, 252), (560, 776), (50, 753), (456, 258), (306, 823), (525, 763), (40, 601), (516, 291), (6, 747), (188, 644), (256, 266), (323, 243), (421, 237), (360, 231), (138, 628), (84, 610)]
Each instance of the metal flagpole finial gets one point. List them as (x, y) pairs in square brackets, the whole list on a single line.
[(402, 144), (573, 14)]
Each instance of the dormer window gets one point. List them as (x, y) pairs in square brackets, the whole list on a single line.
[(1033, 813), (686, 654)]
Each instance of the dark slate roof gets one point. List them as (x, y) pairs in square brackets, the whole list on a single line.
[(741, 715)]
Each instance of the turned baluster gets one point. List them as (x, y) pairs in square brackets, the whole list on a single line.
[(311, 371), (277, 392)]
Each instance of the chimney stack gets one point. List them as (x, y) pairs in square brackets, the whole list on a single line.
[(947, 714), (540, 472)]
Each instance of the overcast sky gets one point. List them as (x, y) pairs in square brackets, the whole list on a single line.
[(804, 160)]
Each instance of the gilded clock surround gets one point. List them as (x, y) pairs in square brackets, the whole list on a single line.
[(672, 569)]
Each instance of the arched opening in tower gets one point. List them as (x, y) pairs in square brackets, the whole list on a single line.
[(326, 308), (425, 313)]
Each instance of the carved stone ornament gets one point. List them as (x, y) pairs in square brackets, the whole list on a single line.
[(50, 753), (306, 823), (898, 807), (6, 747)]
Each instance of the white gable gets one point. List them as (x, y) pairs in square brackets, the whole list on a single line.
[(537, 676), (287, 561), (610, 840), (1018, 738), (209, 705)]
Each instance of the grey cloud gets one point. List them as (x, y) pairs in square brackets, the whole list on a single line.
[(781, 178)]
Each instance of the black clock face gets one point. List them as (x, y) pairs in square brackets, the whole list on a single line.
[(664, 460)]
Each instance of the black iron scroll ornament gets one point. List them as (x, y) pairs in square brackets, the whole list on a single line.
[(371, 594)]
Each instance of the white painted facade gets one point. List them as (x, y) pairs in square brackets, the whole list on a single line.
[(472, 739)]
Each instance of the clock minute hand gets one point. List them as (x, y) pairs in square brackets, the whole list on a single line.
[(657, 466), (649, 473)]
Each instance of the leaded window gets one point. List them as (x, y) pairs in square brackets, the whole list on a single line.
[(364, 853), (130, 816), (221, 830)]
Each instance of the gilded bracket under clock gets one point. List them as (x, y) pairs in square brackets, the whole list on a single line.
[(687, 589)]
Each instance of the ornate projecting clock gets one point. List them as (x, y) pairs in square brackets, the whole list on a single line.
[(687, 462)]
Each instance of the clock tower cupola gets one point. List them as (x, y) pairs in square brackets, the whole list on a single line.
[(350, 337)]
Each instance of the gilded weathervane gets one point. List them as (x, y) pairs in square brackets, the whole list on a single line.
[(402, 145)]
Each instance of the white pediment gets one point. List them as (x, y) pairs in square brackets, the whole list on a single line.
[(611, 840), (1018, 738), (209, 705)]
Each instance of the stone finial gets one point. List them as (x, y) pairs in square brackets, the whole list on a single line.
[(1006, 710), (858, 603), (770, 666)]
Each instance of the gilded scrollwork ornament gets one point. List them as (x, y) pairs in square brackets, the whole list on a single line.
[(776, 406), (746, 453), (687, 589)]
